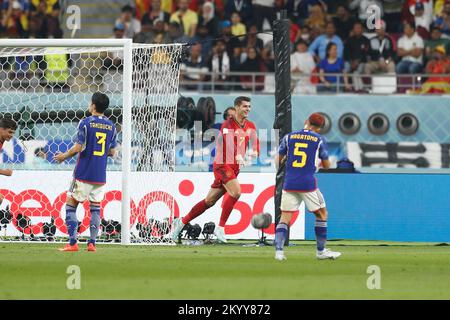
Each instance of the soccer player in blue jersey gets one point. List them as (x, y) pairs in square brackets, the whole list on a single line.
[(96, 140), (301, 150)]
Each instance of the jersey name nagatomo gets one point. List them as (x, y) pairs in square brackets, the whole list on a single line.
[(303, 150)]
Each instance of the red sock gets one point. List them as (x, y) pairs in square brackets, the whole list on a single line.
[(228, 205), (196, 210)]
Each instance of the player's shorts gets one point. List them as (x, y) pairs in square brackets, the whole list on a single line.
[(82, 191), (223, 174), (291, 201)]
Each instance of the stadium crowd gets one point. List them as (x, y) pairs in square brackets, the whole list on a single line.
[(334, 47)]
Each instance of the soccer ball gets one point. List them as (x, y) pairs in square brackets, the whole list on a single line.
[(261, 220)]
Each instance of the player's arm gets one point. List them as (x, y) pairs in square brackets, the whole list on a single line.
[(323, 155), (76, 149), (6, 172), (279, 160), (113, 145)]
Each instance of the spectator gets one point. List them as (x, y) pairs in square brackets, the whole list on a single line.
[(236, 60), (262, 10), (25, 5), (333, 5), (320, 44), (332, 64), (356, 50), (252, 64), (187, 18), (154, 13), (343, 22), (209, 19), (205, 39), (15, 21), (230, 41), (381, 53), (38, 22), (317, 18), (410, 50), (268, 58), (252, 40), (294, 33), (51, 7), (305, 35), (52, 21), (299, 10), (194, 69), (435, 40), (196, 6), (176, 35), (237, 28), (393, 15), (149, 30), (443, 21), (302, 66), (438, 65), (119, 31), (362, 7), (132, 25), (219, 64), (243, 7), (422, 20)]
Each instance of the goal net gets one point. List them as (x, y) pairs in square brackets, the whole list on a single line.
[(46, 87)]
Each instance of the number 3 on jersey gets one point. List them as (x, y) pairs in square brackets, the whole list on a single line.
[(101, 140), (299, 153)]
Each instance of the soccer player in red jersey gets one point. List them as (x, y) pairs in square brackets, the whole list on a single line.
[(232, 143), (7, 129)]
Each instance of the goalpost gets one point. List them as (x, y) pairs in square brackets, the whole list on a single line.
[(46, 86)]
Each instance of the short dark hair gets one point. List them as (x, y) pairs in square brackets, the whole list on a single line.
[(8, 123), (101, 102), (127, 8), (225, 113), (238, 100), (328, 48), (409, 23)]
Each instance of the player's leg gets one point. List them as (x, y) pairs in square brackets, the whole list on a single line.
[(213, 195), (315, 203), (290, 202), (96, 195), (71, 216), (94, 224), (233, 188), (281, 234)]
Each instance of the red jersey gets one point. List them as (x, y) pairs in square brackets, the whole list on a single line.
[(233, 142)]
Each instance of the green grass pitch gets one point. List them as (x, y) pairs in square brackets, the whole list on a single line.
[(232, 271)]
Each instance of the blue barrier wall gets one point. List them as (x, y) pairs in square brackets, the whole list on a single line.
[(396, 207)]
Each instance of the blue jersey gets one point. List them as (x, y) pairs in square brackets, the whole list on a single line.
[(303, 149), (97, 134)]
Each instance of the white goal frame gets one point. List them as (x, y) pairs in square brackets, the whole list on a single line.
[(126, 45)]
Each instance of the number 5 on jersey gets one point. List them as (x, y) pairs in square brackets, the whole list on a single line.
[(299, 153), (101, 140)]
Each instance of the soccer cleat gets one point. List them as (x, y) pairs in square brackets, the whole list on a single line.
[(327, 254), (220, 234), (69, 248), (91, 247), (178, 226), (279, 255)]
